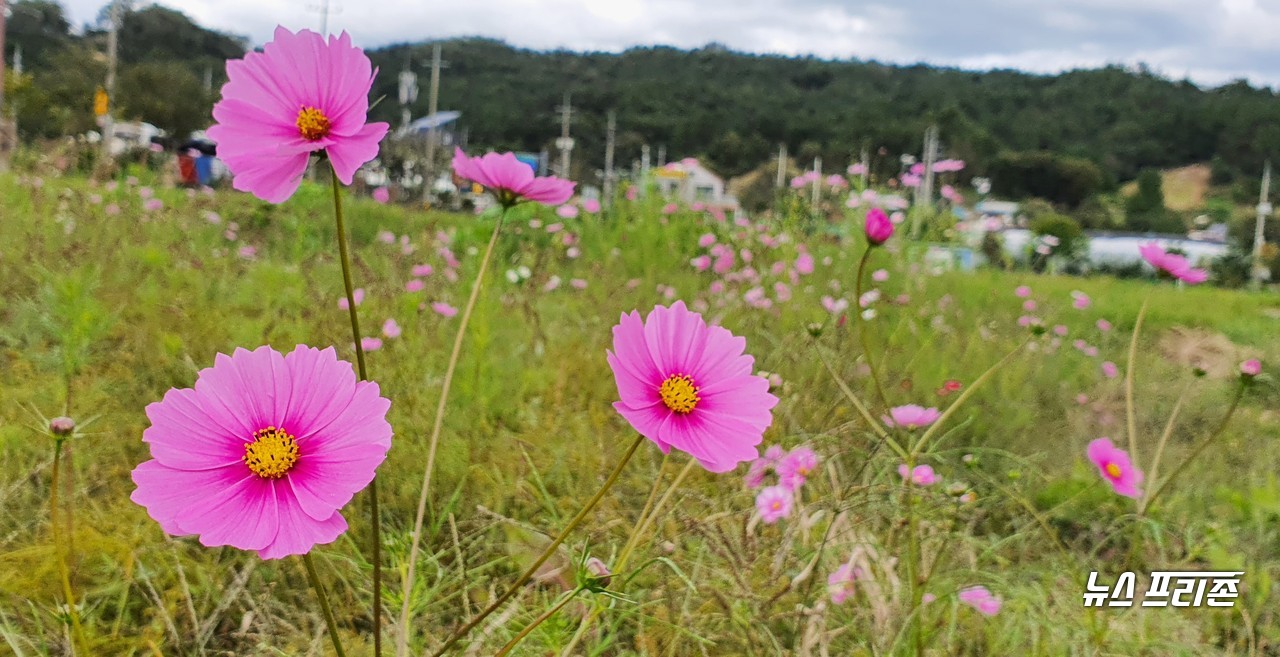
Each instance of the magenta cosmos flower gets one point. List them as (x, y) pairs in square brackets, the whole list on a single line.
[(911, 417), (300, 95), (511, 180), (840, 583), (687, 385), (264, 451), (921, 475), (794, 468), (1172, 264), (1251, 367), (1114, 465)]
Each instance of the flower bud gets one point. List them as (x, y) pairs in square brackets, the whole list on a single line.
[(62, 426), (598, 574), (878, 227), (1251, 368)]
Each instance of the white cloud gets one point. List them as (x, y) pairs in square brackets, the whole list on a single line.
[(1210, 40)]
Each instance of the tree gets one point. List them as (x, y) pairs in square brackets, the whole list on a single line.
[(183, 108), (1145, 211)]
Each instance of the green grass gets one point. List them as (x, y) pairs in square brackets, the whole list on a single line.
[(114, 310)]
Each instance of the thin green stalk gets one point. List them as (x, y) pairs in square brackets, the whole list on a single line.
[(964, 396), (324, 604), (375, 522), (64, 573), (872, 423), (538, 621), (402, 638), (913, 556), (1226, 419), (862, 329), (1168, 431), (642, 525), (1128, 382), (546, 554)]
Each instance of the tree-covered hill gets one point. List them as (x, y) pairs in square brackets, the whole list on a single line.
[(736, 108)]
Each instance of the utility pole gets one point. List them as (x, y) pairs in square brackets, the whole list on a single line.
[(408, 93), (817, 181), (781, 179), (433, 102), (866, 166), (565, 143), (662, 155), (645, 163), (924, 194), (610, 139), (113, 53), (1259, 236)]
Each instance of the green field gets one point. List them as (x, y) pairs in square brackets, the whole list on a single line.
[(101, 313)]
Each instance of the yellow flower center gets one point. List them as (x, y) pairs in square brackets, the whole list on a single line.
[(776, 506), (1113, 470), (272, 454), (312, 124), (679, 393)]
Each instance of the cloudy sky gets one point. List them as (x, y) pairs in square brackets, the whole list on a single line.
[(1211, 41)]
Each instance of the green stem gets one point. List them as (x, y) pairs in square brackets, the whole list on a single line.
[(375, 523), (872, 423), (913, 556), (64, 572), (1128, 382), (324, 604), (862, 329), (402, 640), (1168, 431), (1226, 419), (532, 626), (546, 554), (964, 396)]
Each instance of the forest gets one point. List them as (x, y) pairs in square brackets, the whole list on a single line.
[(1082, 131)]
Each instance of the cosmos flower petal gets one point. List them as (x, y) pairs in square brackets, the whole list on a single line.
[(299, 532)]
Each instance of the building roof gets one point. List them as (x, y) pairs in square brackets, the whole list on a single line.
[(435, 121)]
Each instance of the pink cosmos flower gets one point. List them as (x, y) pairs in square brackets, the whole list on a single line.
[(153, 205), (1029, 305), (369, 344), (794, 468), (511, 180), (1110, 370), (382, 195), (591, 205), (1103, 325), (1172, 264), (1060, 330), (300, 95), (878, 227), (840, 584), (921, 475), (422, 271), (1080, 300), (670, 209), (1251, 368), (1022, 291), (632, 193), (414, 285), (980, 599), (804, 264), (1114, 465), (578, 283), (391, 329), (443, 309), (687, 385), (567, 211), (264, 451), (880, 275), (701, 263), (774, 503), (706, 240), (834, 306), (356, 294), (911, 417)]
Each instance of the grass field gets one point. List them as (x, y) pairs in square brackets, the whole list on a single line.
[(101, 312)]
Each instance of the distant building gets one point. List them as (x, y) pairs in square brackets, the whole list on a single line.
[(688, 181), (1004, 211), (1119, 249)]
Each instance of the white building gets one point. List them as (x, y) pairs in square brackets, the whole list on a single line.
[(690, 182)]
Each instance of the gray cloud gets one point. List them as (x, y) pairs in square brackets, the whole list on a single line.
[(1211, 41)]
